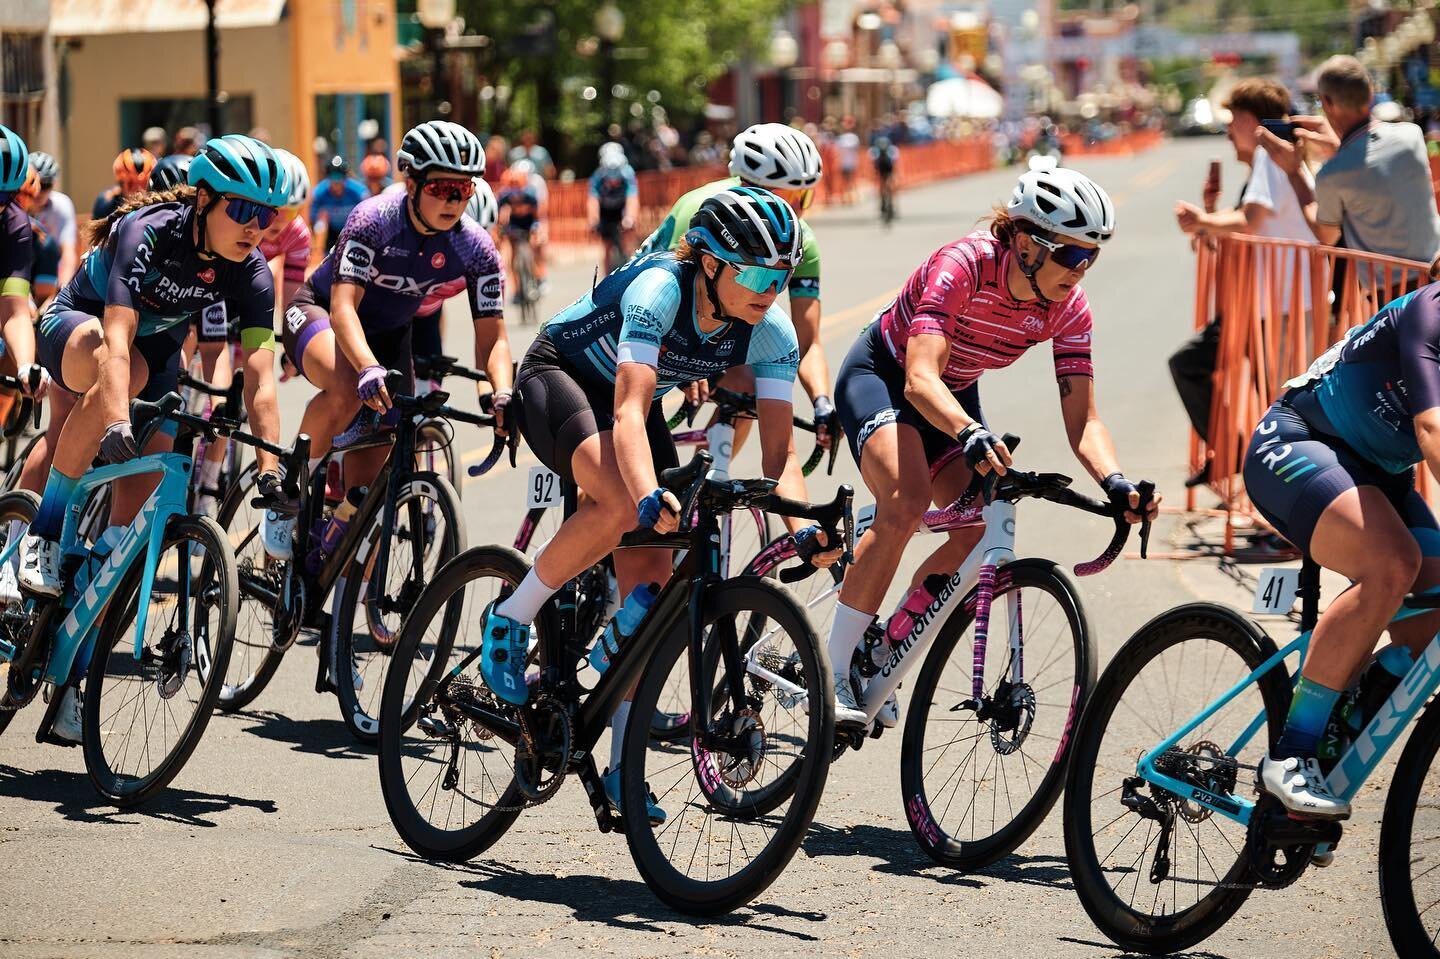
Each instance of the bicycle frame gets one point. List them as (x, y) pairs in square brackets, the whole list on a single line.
[(145, 534), (1354, 767)]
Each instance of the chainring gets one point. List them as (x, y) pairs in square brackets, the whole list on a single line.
[(542, 758), (1219, 778)]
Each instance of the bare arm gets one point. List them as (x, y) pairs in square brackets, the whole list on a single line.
[(925, 357), (492, 354), (113, 377), (262, 402), (1427, 433), (634, 392), (1088, 436), (18, 329), (69, 262)]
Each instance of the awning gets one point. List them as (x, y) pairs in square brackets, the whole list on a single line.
[(79, 18)]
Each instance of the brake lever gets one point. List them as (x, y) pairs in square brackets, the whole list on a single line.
[(1147, 496)]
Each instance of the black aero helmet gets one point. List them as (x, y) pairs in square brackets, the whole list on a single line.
[(747, 225), (170, 172)]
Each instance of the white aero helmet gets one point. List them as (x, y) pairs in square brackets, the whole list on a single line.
[(482, 207), (612, 155), (1063, 202), (299, 177), (776, 157)]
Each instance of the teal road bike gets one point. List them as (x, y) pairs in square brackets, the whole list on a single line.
[(144, 632), (1167, 833)]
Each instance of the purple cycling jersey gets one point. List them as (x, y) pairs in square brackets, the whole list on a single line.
[(398, 267)]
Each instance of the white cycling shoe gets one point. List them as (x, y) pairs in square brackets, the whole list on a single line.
[(9, 586), (847, 710), (69, 719), (40, 566), (1301, 787), (889, 715)]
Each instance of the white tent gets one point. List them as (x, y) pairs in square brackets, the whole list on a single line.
[(963, 97)]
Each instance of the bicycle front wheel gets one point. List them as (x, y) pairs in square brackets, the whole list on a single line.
[(144, 716), (735, 813), (429, 531), (1156, 871), (1409, 886), (253, 656)]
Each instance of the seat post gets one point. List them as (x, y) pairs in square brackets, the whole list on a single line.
[(1309, 593)]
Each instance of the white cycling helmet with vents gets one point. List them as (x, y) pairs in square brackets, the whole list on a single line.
[(1063, 202), (776, 157)]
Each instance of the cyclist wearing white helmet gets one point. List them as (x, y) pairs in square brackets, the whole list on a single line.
[(613, 204), (784, 161), (429, 336), (908, 396)]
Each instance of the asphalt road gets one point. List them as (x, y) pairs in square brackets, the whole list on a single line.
[(274, 840)]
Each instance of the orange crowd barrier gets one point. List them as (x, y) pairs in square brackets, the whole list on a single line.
[(1281, 303), (1135, 141)]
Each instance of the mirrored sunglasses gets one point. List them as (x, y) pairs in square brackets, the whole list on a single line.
[(1068, 255), (451, 191), (761, 279), (242, 211)]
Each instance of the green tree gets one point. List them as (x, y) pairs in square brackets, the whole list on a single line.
[(675, 48)]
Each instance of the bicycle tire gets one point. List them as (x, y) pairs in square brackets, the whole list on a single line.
[(358, 716), (928, 828), (684, 892), (217, 570), (12, 475), (439, 443), (397, 715), (1403, 919), (253, 656), (19, 505), (1181, 928)]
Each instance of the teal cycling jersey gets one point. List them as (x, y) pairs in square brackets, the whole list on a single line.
[(1372, 383), (644, 312)]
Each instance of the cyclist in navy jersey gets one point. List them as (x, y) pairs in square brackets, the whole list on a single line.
[(115, 330), (585, 403), (17, 256), (352, 319), (1331, 466)]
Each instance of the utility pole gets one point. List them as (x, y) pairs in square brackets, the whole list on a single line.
[(212, 70)]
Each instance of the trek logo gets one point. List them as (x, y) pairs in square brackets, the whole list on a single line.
[(1279, 459), (95, 595), (1414, 689), (922, 623)]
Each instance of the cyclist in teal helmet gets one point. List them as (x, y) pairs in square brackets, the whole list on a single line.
[(17, 255), (115, 331)]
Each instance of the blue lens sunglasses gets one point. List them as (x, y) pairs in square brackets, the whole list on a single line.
[(761, 279), (1068, 255), (242, 211)]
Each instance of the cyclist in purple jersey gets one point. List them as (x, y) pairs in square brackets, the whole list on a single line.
[(352, 320), (115, 330)]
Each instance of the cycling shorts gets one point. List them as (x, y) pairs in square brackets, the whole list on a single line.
[(870, 393), (556, 411), (426, 338), (1303, 468), (305, 319), (160, 351)]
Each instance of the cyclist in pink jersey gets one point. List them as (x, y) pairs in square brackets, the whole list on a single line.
[(908, 395)]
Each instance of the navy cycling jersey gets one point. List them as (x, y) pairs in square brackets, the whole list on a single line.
[(397, 266), (644, 312), (1371, 384), (17, 251), (149, 263)]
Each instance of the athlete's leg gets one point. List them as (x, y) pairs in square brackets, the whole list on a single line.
[(332, 408)]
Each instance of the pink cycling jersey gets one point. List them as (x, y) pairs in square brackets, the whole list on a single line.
[(294, 244), (960, 293)]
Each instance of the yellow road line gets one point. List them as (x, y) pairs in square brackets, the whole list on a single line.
[(1143, 181)]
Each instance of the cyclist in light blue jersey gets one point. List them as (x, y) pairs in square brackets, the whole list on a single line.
[(585, 402)]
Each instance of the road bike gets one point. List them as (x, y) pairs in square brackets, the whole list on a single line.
[(1166, 831), (147, 695), (408, 524), (527, 282), (458, 766), (435, 438)]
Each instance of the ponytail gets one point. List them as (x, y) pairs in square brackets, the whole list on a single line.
[(99, 230)]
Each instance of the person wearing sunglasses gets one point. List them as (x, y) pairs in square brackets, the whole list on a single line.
[(783, 160), (523, 201), (17, 257), (115, 332), (908, 392), (352, 320), (585, 401)]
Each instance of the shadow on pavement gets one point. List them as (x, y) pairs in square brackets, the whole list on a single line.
[(75, 799), (318, 737), (899, 856), (1108, 954)]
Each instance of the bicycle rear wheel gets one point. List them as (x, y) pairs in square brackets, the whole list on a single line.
[(429, 531), (448, 782), (1409, 886), (144, 717), (253, 656), (729, 830), (1173, 669)]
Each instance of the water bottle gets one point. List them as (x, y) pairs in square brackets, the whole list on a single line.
[(902, 621), (334, 529), (623, 626)]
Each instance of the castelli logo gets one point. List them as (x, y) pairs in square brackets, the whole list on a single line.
[(207, 275), (438, 260)]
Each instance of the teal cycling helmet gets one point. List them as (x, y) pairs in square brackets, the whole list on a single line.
[(237, 165), (14, 161)]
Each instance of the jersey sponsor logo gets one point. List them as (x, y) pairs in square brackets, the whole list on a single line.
[(356, 262), (207, 275), (214, 320), (490, 286), (882, 418), (946, 280), (438, 260), (294, 319), (1033, 324), (170, 292)]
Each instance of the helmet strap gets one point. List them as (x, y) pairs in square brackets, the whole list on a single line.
[(202, 213), (1031, 269), (711, 291), (414, 202)]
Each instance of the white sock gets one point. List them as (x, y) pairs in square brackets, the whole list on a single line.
[(617, 732), (524, 604), (209, 473), (846, 632)]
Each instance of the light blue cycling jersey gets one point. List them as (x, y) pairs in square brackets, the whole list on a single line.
[(644, 312)]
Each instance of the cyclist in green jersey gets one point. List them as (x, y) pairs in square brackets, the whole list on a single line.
[(784, 161)]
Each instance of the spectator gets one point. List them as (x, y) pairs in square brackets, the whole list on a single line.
[(375, 168), (1268, 207), (187, 142), (132, 175), (497, 153), (333, 201), (847, 147), (153, 139), (1373, 189), (528, 149), (56, 213)]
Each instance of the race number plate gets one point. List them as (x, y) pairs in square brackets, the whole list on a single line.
[(542, 488), (1276, 591)]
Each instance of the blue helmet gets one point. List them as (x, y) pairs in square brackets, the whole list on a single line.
[(14, 161), (242, 166), (747, 225)]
